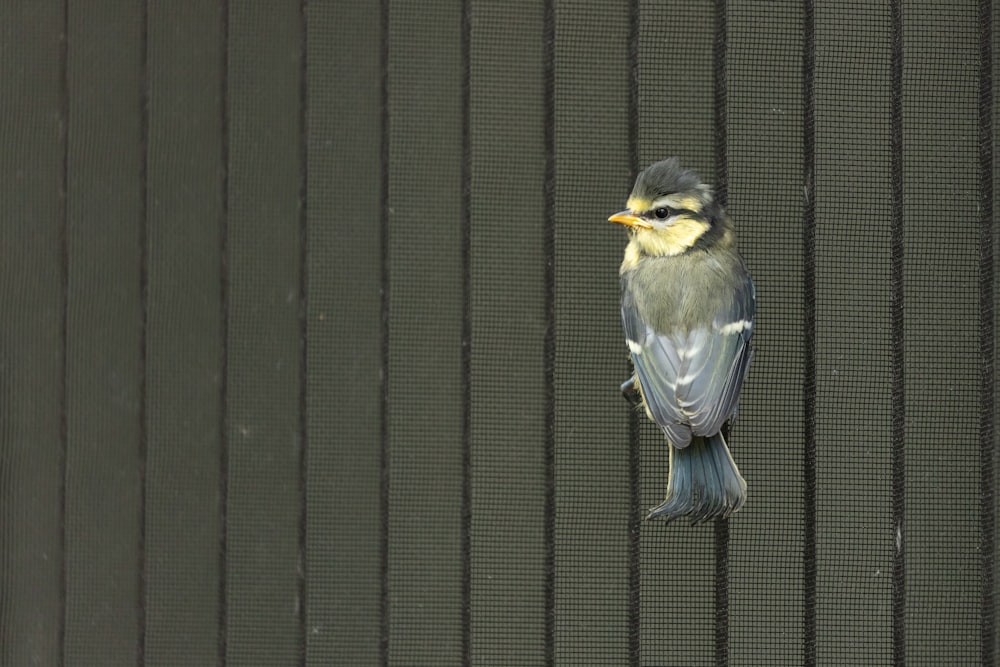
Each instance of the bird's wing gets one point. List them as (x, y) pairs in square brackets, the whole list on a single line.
[(691, 380)]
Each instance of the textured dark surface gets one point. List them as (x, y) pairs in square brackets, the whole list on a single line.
[(105, 440), (312, 348), (425, 331), (185, 335), (508, 311), (766, 135), (264, 428), (32, 293), (344, 343)]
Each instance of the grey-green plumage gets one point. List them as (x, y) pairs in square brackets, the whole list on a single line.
[(675, 311), (690, 290), (687, 313)]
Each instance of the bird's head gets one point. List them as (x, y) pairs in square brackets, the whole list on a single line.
[(670, 212)]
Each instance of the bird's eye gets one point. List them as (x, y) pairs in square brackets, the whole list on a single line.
[(661, 213)]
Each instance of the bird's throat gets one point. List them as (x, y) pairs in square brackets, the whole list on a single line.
[(679, 237)]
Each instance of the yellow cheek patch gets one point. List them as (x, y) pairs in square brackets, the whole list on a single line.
[(682, 233)]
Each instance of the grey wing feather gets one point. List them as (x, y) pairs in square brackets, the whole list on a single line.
[(718, 365), (691, 381), (656, 364), (712, 397)]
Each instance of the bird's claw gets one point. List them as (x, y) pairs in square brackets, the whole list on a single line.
[(631, 392)]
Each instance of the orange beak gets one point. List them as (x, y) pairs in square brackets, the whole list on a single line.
[(628, 219)]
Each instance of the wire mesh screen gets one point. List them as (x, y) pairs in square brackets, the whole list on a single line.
[(312, 345)]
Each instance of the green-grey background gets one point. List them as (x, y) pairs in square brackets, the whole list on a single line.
[(192, 350)]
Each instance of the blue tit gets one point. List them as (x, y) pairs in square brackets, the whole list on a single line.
[(687, 310)]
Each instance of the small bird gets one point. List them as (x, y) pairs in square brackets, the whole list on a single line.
[(687, 311)]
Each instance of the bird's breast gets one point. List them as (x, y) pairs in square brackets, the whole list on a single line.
[(686, 291)]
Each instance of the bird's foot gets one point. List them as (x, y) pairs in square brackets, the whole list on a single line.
[(630, 391)]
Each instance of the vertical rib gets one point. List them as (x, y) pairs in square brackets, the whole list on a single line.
[(987, 349), (720, 123), (303, 324), (224, 361), (722, 588), (144, 309), (466, 360), (64, 318), (384, 607), (721, 119), (809, 326), (634, 620), (549, 355), (898, 427)]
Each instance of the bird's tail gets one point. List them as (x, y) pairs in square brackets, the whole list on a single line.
[(704, 482)]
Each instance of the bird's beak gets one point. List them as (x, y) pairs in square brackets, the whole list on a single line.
[(629, 219)]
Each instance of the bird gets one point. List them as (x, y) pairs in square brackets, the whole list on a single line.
[(687, 306)]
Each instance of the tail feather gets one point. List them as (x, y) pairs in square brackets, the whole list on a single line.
[(703, 483)]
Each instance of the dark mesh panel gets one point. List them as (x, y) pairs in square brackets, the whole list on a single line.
[(312, 347), (425, 334), (853, 373), (184, 336), (264, 436), (766, 203), (591, 438), (104, 334), (343, 605), (508, 315), (32, 276), (942, 332)]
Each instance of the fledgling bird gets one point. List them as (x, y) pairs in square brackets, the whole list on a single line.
[(688, 311)]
